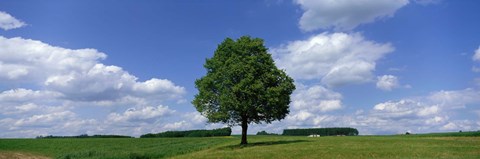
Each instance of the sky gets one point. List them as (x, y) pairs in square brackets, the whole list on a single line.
[(128, 67)]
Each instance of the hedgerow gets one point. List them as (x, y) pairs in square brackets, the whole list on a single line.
[(321, 132), (191, 133)]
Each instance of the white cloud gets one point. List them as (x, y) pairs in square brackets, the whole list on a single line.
[(145, 114), (396, 110), (58, 122), (181, 125), (315, 99), (345, 14), (67, 80), (30, 113), (438, 111), (428, 111), (476, 55), (335, 58), (195, 118), (39, 60), (460, 125), (23, 95), (77, 74), (45, 120), (450, 126), (158, 87), (433, 104), (387, 82), (8, 22), (427, 2), (27, 102), (455, 99), (435, 112), (300, 116)]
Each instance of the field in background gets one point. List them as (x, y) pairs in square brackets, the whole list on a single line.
[(111, 148), (450, 134), (399, 146)]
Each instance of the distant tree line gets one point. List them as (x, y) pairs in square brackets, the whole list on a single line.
[(265, 133), (192, 133), (83, 136), (321, 132)]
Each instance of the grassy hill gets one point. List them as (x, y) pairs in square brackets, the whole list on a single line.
[(399, 146)]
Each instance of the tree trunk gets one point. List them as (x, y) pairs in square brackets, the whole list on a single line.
[(244, 131)]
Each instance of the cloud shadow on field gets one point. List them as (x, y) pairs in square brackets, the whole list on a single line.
[(262, 143)]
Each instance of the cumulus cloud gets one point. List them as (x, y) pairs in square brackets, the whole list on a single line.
[(145, 114), (427, 2), (335, 58), (315, 99), (77, 74), (37, 60), (45, 120), (162, 88), (310, 107), (54, 82), (8, 22), (405, 108), (345, 14), (181, 125), (23, 95), (29, 113), (195, 118), (434, 112), (455, 99), (24, 102), (387, 82), (476, 55), (437, 111)]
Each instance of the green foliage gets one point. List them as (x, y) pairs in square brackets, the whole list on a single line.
[(192, 133), (243, 85), (265, 133), (321, 132)]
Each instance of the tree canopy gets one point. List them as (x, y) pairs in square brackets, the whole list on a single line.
[(243, 85)]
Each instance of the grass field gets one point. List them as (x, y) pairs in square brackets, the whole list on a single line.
[(116, 148), (401, 146)]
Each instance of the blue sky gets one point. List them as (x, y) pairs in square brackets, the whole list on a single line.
[(125, 67)]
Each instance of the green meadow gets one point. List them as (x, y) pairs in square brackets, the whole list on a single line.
[(396, 146)]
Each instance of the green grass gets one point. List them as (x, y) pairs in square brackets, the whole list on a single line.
[(347, 147), (401, 146), (450, 134), (135, 148)]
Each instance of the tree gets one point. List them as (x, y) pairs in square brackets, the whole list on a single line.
[(243, 86)]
